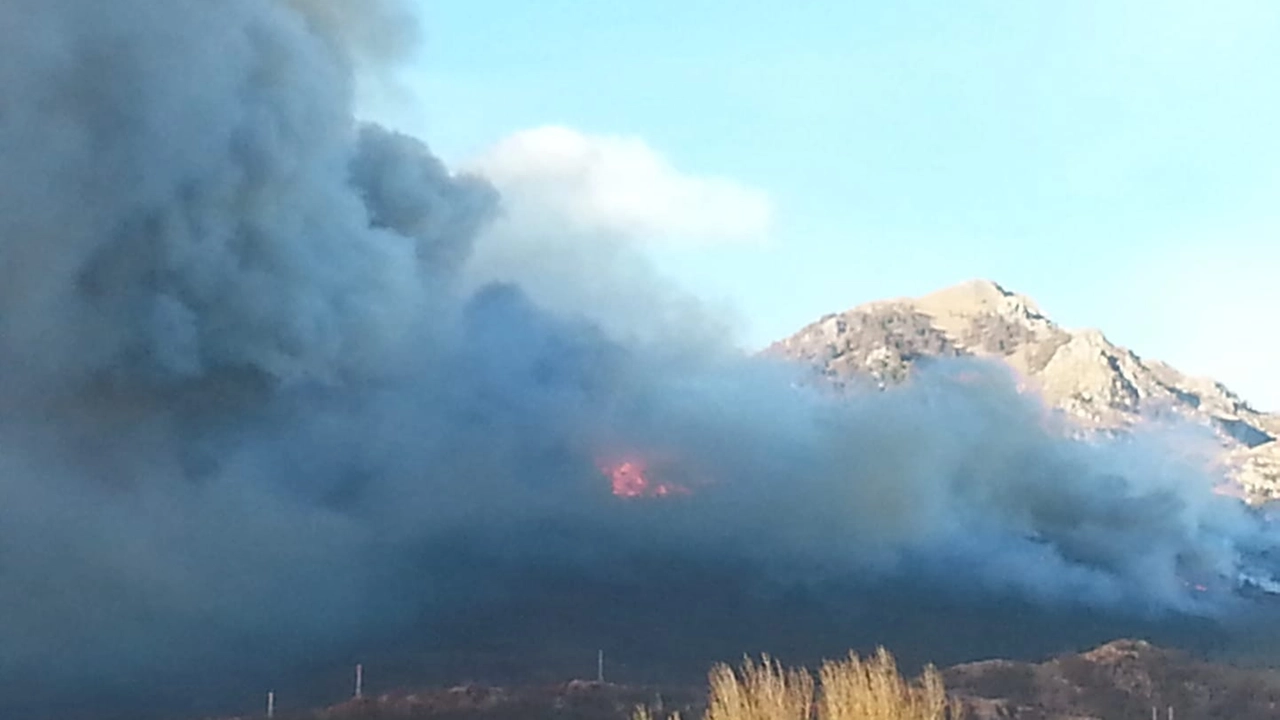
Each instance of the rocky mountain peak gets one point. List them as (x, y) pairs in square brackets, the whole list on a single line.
[(978, 296), (1100, 385)]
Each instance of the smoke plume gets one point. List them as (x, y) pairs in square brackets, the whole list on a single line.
[(258, 419)]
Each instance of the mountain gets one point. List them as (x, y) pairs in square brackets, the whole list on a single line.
[(1100, 385)]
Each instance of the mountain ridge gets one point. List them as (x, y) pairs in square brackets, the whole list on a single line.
[(1099, 385)]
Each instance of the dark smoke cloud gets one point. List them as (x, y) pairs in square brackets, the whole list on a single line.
[(371, 32), (257, 418)]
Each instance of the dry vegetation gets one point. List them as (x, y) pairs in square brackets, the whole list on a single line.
[(766, 691), (872, 689), (851, 689), (1122, 679)]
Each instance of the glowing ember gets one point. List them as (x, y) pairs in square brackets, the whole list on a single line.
[(629, 480)]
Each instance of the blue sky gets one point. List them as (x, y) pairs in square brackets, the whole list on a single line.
[(1119, 162)]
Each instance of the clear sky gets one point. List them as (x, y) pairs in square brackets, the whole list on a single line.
[(1119, 162)]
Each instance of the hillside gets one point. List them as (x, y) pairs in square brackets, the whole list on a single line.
[(1100, 385), (1122, 679)]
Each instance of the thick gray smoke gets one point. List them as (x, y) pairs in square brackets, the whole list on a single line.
[(252, 423)]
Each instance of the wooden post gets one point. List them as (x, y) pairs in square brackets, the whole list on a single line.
[(271, 704), (359, 681)]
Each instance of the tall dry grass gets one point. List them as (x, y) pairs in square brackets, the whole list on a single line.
[(642, 712), (851, 689), (764, 691), (872, 689)]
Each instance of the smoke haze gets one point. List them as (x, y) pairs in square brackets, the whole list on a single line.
[(264, 408)]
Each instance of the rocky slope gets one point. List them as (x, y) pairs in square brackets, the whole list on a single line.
[(1122, 679), (1102, 386)]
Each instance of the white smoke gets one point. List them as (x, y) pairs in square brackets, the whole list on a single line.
[(556, 179), (578, 213), (255, 411)]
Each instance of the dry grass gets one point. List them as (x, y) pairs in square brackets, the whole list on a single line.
[(765, 691), (851, 689), (644, 713), (872, 689)]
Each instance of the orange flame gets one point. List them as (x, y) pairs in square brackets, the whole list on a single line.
[(1198, 587), (629, 479)]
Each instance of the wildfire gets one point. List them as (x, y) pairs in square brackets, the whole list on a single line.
[(629, 479), (1196, 586)]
